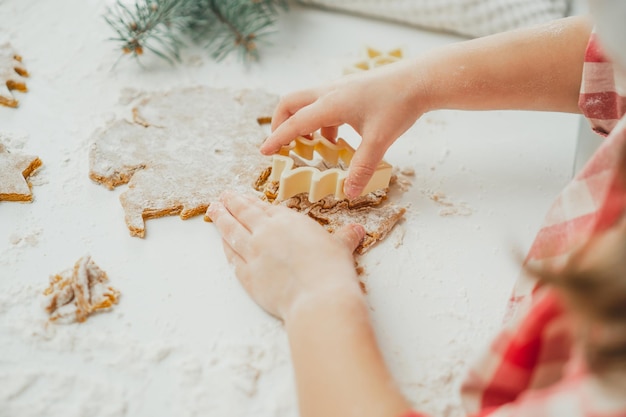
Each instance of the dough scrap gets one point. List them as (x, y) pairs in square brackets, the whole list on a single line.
[(376, 217), (14, 172), (76, 293), (373, 211), (183, 148), (12, 75)]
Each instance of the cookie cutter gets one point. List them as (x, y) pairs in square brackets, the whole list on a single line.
[(320, 183)]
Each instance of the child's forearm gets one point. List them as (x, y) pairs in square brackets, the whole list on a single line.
[(537, 68), (339, 368)]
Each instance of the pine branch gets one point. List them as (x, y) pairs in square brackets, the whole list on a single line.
[(221, 26)]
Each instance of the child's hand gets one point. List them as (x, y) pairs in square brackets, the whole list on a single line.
[(284, 259), (377, 104), (537, 68)]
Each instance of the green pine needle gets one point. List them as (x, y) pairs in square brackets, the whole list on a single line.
[(221, 26)]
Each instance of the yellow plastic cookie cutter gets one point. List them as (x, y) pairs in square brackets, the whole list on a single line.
[(320, 183)]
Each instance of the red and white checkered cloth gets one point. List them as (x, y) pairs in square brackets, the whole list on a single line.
[(534, 367)]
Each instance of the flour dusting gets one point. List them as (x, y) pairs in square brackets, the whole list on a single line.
[(450, 207), (184, 340), (112, 366), (22, 238)]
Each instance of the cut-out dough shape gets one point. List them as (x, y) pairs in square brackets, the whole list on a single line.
[(183, 149), (76, 293), (320, 183), (373, 59), (371, 211), (14, 172), (12, 75)]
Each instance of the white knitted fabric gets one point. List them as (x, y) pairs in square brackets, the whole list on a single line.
[(465, 17)]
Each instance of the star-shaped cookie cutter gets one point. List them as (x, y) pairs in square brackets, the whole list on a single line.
[(320, 183)]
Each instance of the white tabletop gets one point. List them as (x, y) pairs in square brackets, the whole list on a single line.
[(185, 339)]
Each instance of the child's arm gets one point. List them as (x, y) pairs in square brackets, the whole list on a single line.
[(538, 68), (339, 368), (535, 69), (298, 272)]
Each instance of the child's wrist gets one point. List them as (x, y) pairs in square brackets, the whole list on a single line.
[(323, 302), (430, 95)]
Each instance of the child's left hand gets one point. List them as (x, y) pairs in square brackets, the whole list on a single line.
[(285, 260)]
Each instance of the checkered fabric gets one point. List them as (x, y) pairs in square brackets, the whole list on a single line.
[(471, 18), (535, 367)]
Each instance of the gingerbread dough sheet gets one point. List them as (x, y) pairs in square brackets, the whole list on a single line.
[(182, 150)]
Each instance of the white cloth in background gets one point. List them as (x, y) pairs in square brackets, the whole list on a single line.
[(471, 18)]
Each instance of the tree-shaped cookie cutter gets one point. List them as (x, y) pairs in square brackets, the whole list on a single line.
[(320, 183)]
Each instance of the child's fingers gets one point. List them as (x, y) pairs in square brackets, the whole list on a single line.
[(350, 235), (238, 263), (305, 121), (233, 232), (248, 211), (290, 104), (330, 133), (233, 257), (362, 167)]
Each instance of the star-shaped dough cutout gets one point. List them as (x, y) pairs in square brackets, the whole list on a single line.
[(14, 172), (182, 150), (12, 75), (374, 58)]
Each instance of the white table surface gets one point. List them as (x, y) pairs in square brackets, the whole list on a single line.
[(185, 339)]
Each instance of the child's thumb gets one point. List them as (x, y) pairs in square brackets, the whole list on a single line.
[(362, 168), (350, 235)]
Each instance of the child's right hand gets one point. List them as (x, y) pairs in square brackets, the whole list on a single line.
[(379, 104), (537, 68)]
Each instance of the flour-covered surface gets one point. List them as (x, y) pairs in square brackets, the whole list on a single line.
[(185, 339)]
